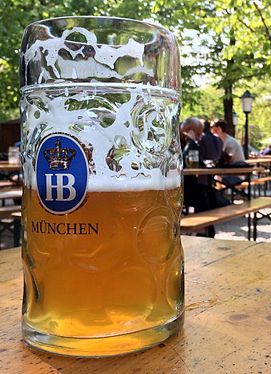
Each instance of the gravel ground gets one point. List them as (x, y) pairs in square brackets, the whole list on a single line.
[(237, 229)]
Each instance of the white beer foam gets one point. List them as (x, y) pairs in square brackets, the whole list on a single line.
[(143, 183)]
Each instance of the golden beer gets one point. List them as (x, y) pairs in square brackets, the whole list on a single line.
[(109, 271)]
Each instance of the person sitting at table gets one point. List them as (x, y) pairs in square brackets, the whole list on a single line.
[(191, 131), (210, 150), (232, 153), (210, 146), (266, 151), (232, 150), (196, 195)]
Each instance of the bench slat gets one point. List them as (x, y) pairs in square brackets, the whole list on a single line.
[(11, 193), (7, 183), (6, 211), (264, 179), (254, 182), (198, 221)]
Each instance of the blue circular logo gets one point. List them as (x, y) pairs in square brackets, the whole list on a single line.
[(61, 173)]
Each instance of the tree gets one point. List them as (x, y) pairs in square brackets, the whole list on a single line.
[(232, 37), (174, 14), (240, 31), (209, 104), (15, 15)]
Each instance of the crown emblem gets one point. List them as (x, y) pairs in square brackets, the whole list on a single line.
[(59, 158)]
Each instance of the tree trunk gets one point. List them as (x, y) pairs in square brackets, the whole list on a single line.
[(228, 83), (228, 108)]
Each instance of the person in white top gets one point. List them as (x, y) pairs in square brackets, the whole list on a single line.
[(232, 150)]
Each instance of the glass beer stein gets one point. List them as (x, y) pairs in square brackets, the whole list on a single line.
[(102, 258)]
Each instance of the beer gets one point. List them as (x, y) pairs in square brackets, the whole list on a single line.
[(192, 159), (111, 267)]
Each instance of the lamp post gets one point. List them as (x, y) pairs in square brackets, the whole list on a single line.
[(246, 99)]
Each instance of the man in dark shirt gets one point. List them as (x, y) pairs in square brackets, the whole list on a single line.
[(210, 145)]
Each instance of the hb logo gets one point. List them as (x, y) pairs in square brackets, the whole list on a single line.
[(61, 173), (60, 186)]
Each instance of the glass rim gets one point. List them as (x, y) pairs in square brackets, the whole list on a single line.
[(122, 19)]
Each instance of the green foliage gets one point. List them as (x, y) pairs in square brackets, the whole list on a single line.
[(209, 104), (23, 12), (227, 40), (259, 118)]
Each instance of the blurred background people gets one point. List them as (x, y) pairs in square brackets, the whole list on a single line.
[(266, 151), (210, 146), (198, 196), (191, 132), (232, 150)]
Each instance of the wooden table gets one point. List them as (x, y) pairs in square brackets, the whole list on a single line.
[(227, 327), (6, 166), (262, 156), (247, 171), (259, 160), (223, 171)]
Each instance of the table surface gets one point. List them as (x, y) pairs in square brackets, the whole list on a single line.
[(262, 156), (227, 325), (259, 160), (6, 166), (223, 171)]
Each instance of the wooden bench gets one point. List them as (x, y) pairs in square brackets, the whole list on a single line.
[(258, 182), (9, 221), (7, 183), (14, 193), (11, 193), (7, 212), (198, 221)]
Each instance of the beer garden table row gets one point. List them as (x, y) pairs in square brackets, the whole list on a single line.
[(227, 323), (231, 211), (247, 171), (259, 161), (8, 170), (223, 171)]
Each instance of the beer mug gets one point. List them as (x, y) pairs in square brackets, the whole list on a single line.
[(102, 258)]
